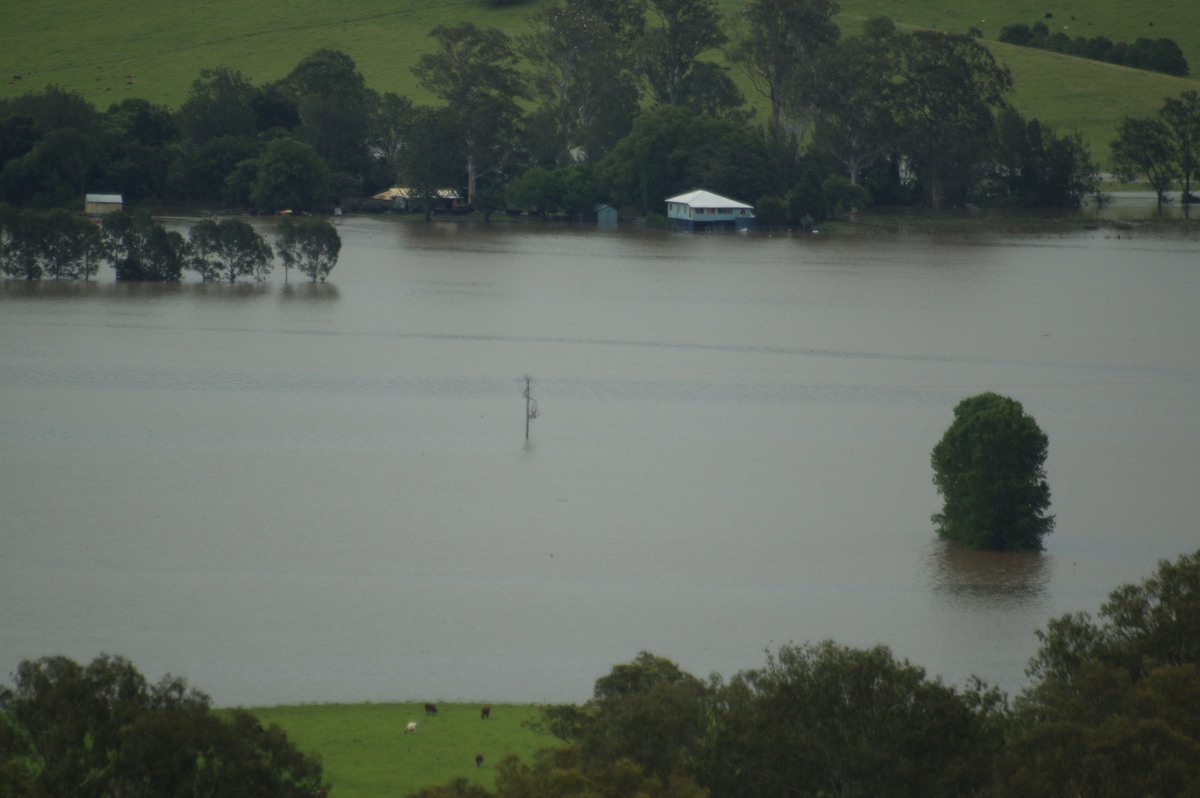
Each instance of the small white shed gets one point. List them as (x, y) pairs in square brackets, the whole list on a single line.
[(100, 204)]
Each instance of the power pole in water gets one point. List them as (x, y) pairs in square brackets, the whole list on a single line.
[(531, 409)]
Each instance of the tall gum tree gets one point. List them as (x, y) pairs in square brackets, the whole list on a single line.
[(473, 70), (949, 89)]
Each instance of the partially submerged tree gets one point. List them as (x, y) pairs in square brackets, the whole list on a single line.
[(1143, 149), (988, 467), (310, 245), (227, 250)]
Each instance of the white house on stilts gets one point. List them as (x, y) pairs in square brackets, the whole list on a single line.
[(706, 211)]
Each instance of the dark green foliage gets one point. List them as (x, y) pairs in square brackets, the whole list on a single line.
[(829, 720), (668, 56), (55, 171), (137, 248), (228, 249), (102, 730), (988, 468), (1157, 55), (219, 105), (775, 41), (878, 28), (1143, 149), (1115, 706), (56, 245), (290, 175), (570, 190), (1033, 167), (948, 89), (671, 150), (1181, 120), (334, 106), (770, 211), (310, 245), (474, 71), (807, 204)]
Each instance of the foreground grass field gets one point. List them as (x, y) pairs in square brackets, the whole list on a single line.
[(367, 754), (152, 50)]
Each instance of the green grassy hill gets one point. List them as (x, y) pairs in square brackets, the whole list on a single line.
[(154, 49), (366, 754)]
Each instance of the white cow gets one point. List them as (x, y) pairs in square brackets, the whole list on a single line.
[(411, 727)]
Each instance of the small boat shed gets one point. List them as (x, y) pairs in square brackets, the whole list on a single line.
[(100, 204), (704, 211)]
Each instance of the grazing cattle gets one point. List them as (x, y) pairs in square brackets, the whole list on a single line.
[(478, 760), (485, 713), (411, 727), (431, 709)]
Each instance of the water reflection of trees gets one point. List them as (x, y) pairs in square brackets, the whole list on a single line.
[(990, 578), (309, 292)]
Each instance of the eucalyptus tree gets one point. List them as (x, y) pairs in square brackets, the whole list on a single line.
[(948, 91), (474, 71), (138, 248), (311, 245), (850, 91), (580, 77), (228, 249), (669, 56), (1143, 148), (1181, 118), (774, 43), (389, 125)]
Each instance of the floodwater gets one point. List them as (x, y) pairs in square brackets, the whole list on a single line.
[(312, 493)]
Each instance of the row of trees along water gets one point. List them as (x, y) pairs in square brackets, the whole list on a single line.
[(625, 101), (1112, 710), (62, 245)]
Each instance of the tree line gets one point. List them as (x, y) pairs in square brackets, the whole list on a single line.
[(58, 244), (1154, 55), (1112, 710), (624, 101)]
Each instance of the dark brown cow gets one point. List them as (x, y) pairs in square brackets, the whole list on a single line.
[(485, 713), (431, 709), (478, 760)]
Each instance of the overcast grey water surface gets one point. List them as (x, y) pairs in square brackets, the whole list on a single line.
[(312, 493)]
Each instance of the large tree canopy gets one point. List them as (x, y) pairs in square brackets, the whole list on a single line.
[(988, 467), (101, 730)]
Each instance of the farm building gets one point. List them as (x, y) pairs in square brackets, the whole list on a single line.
[(405, 199), (704, 210), (605, 215), (100, 204)]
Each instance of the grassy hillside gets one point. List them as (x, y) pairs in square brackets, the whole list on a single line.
[(366, 753), (155, 49)]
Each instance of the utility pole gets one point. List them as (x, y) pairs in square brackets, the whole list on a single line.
[(531, 408)]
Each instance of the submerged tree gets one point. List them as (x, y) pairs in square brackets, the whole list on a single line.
[(988, 467), (227, 250), (310, 245)]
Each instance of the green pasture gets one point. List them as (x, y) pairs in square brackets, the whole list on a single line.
[(154, 50), (367, 754)]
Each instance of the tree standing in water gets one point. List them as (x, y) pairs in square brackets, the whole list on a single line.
[(989, 469)]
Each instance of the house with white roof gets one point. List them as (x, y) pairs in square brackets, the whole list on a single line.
[(703, 210)]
